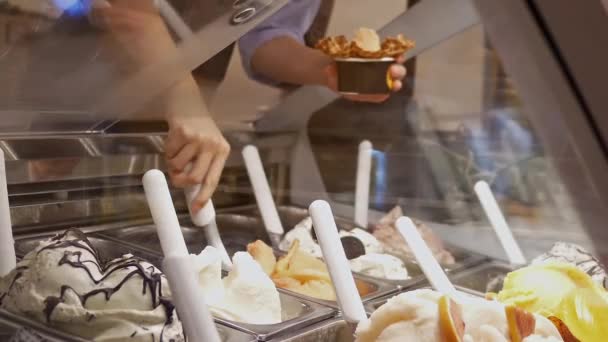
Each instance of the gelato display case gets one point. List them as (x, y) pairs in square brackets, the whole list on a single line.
[(503, 93)]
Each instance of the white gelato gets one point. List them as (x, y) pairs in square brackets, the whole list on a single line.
[(485, 321), (371, 244), (64, 283), (380, 266), (367, 39), (246, 295), (303, 233)]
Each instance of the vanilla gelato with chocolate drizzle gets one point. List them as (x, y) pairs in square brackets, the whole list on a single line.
[(65, 284)]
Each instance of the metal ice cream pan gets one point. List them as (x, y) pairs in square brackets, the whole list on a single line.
[(236, 231), (296, 314), (228, 334), (334, 330), (372, 287), (480, 277), (11, 324)]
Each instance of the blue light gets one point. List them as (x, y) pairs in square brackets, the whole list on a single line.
[(73, 8), (379, 176)]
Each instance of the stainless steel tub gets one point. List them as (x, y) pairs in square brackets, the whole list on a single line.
[(478, 278), (296, 315), (236, 232), (373, 287), (334, 330), (10, 324), (232, 335)]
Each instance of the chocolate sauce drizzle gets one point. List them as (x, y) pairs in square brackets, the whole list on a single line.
[(76, 239)]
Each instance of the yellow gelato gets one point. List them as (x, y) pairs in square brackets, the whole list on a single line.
[(563, 291)]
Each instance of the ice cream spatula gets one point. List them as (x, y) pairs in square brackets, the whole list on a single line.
[(263, 196), (348, 297), (189, 300), (188, 297), (205, 218), (424, 256), (8, 260), (163, 213), (499, 223)]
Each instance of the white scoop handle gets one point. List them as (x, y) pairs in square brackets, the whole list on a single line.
[(337, 264), (189, 300), (499, 223), (261, 190), (8, 260), (205, 217), (364, 167), (427, 262), (161, 206)]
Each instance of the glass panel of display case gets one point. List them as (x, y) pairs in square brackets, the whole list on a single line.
[(459, 119)]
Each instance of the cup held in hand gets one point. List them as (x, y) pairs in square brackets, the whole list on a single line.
[(364, 76)]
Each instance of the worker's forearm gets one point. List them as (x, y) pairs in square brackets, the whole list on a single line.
[(185, 99), (286, 60)]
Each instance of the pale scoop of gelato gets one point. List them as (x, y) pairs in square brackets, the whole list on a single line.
[(367, 39), (410, 316), (303, 233), (486, 320), (383, 266), (246, 295), (371, 244)]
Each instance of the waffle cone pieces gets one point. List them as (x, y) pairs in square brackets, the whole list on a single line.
[(341, 47)]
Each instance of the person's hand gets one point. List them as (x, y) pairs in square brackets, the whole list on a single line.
[(397, 73), (196, 152), (137, 27)]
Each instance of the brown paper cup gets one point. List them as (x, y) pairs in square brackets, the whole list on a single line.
[(364, 76)]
